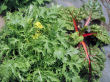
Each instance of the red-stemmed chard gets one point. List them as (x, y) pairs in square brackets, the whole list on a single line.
[(83, 43)]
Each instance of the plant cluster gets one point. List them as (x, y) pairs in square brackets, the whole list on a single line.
[(12, 5), (36, 46)]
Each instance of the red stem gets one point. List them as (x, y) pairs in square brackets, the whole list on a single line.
[(88, 20), (75, 25), (74, 22), (87, 56), (88, 34), (85, 49), (83, 43)]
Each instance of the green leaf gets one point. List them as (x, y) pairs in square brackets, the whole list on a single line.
[(76, 79), (59, 52), (3, 7), (40, 1), (72, 51)]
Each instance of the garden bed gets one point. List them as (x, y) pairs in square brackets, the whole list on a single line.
[(60, 44)]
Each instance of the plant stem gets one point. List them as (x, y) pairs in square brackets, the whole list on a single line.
[(87, 56), (83, 43), (88, 34)]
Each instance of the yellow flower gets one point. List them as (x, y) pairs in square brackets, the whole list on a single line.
[(38, 25), (36, 36)]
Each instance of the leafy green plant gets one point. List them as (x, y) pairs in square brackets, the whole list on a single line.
[(80, 32), (80, 35), (12, 5), (35, 46)]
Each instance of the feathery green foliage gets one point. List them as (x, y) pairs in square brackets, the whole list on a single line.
[(12, 5), (35, 46)]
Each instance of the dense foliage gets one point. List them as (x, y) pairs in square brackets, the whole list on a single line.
[(35, 46), (12, 5)]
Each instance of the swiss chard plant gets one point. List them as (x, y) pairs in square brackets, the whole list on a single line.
[(36, 46), (79, 33)]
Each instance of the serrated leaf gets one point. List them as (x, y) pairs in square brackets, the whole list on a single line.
[(59, 53)]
